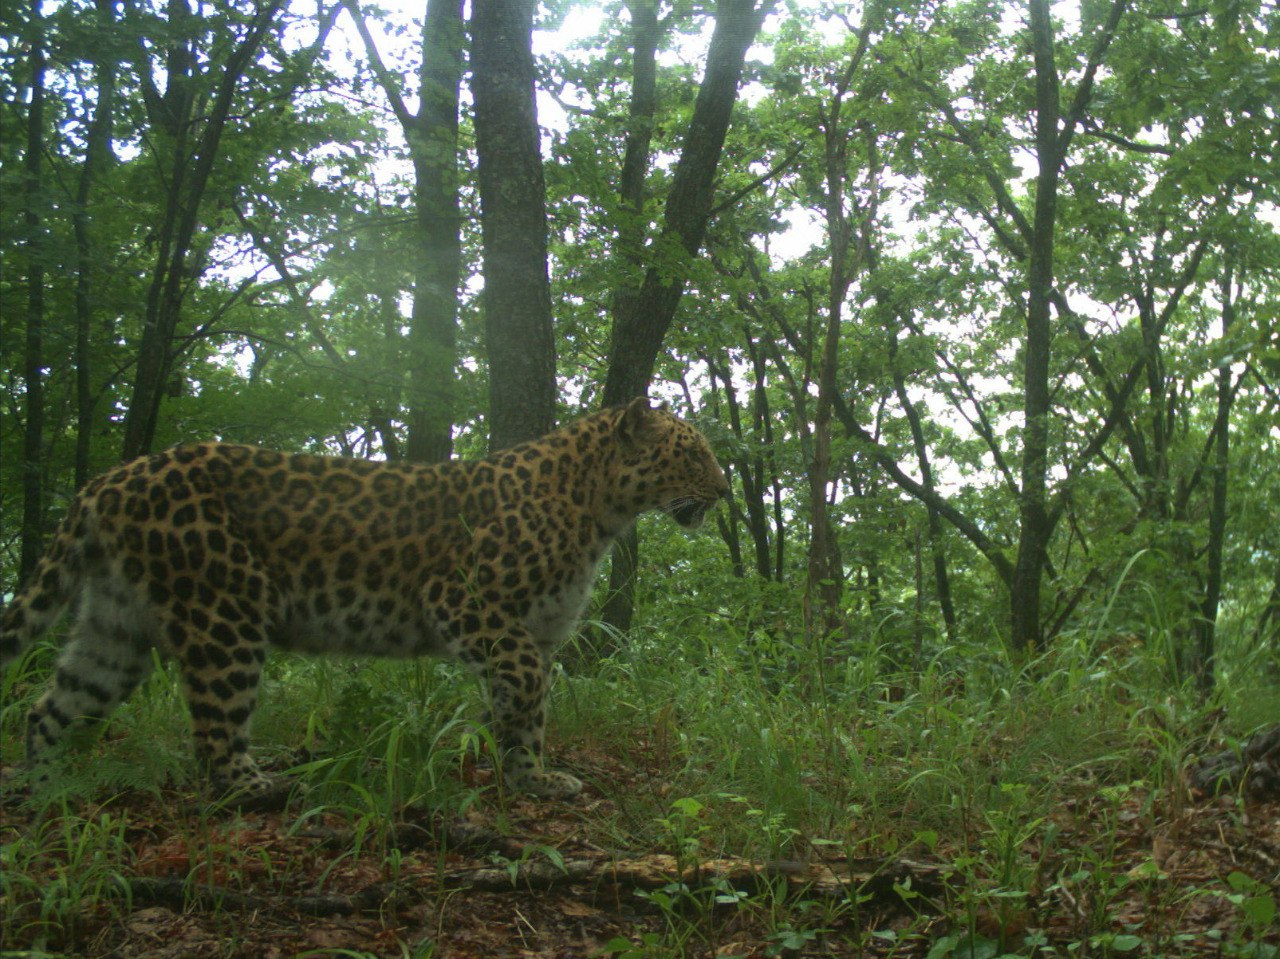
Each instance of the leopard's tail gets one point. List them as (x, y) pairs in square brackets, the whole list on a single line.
[(47, 591)]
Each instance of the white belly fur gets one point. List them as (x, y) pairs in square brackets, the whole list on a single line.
[(552, 617)]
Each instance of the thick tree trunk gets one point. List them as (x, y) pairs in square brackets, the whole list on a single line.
[(34, 361), (433, 326), (517, 293)]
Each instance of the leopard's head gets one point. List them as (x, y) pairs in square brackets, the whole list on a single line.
[(667, 464)]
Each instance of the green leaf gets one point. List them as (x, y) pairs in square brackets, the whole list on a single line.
[(1125, 943)]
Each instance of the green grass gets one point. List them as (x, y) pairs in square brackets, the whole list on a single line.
[(717, 747), (936, 743)]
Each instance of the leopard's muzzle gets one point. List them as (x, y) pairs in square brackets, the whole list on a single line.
[(690, 511)]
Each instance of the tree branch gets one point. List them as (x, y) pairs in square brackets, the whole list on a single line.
[(402, 114)]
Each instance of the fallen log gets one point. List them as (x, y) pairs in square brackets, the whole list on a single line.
[(179, 896), (863, 880), (887, 883)]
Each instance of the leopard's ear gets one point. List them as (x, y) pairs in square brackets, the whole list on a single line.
[(634, 419)]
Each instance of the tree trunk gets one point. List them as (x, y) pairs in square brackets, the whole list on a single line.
[(749, 471), (771, 566), (1206, 626), (97, 153), (641, 317), (438, 267), (432, 137), (34, 362), (645, 35), (513, 219), (1034, 524), (757, 350), (729, 526), (824, 584), (825, 581), (169, 116), (189, 175), (619, 604), (640, 323), (1032, 242), (938, 556)]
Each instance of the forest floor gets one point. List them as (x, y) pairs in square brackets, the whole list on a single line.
[(519, 878)]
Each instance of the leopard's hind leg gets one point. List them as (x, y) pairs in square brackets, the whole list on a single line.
[(107, 655)]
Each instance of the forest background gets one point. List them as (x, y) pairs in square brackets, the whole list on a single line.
[(976, 301)]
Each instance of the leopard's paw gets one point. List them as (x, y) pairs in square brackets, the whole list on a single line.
[(549, 784), (255, 791)]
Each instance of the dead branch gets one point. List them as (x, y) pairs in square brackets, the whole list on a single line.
[(869, 878)]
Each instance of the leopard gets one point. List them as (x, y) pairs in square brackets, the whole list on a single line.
[(212, 553)]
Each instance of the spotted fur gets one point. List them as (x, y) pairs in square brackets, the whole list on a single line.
[(211, 553)]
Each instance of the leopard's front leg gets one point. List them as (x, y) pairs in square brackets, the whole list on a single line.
[(516, 673)]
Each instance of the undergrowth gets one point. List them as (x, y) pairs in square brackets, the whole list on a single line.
[(759, 748)]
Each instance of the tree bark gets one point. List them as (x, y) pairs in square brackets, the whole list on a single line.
[(824, 580), (34, 361), (433, 327), (513, 219)]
